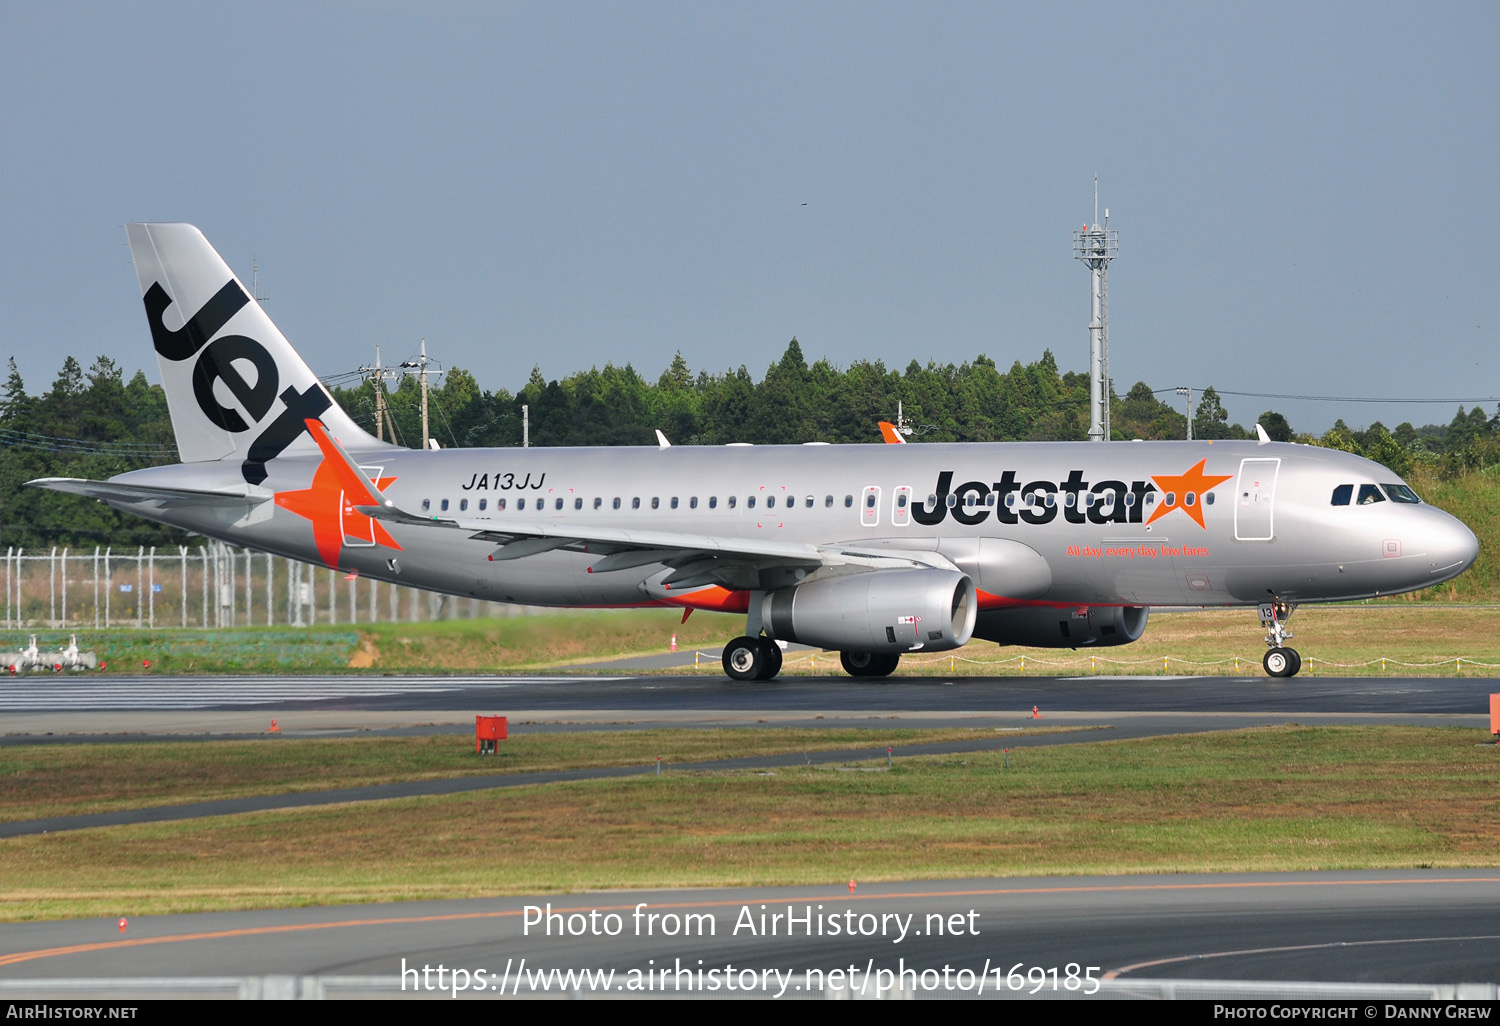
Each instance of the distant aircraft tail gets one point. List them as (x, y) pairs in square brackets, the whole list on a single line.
[(235, 386)]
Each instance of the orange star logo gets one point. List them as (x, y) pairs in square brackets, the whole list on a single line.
[(325, 502), (1186, 492)]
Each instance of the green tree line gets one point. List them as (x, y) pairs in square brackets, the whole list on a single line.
[(93, 423)]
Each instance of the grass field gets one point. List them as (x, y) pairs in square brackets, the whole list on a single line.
[(1412, 638), (66, 779), (1291, 798)]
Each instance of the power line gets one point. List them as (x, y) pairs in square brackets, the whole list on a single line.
[(52, 443), (1344, 398)]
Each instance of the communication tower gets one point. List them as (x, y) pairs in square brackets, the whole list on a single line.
[(1096, 245)]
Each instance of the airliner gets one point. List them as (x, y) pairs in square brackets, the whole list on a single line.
[(870, 550)]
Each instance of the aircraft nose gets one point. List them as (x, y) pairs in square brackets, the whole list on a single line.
[(1454, 548)]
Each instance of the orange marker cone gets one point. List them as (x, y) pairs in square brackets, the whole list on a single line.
[(274, 729), (123, 923), (673, 646), (851, 886), (1034, 714)]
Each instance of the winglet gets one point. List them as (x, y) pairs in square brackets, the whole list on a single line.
[(661, 440), (891, 434), (1261, 433)]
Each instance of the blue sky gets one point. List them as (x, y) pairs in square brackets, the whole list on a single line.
[(1304, 192)]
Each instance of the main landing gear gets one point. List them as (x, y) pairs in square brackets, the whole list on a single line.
[(752, 658), (869, 664), (1279, 660)]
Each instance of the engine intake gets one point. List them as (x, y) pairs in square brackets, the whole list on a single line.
[(876, 611)]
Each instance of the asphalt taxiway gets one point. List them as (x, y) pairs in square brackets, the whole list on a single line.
[(1397, 926), (38, 704), (1388, 927)]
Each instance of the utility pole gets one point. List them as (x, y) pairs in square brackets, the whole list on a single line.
[(380, 375), (420, 363), (1187, 390), (255, 282)]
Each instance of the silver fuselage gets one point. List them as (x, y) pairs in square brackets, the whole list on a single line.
[(1269, 527)]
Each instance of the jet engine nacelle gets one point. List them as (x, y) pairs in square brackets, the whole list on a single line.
[(876, 611), (1064, 627)]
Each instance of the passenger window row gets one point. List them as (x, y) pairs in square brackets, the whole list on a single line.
[(560, 503)]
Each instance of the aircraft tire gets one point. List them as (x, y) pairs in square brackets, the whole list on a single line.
[(1281, 662), (772, 659), (869, 664), (1296, 661), (745, 659)]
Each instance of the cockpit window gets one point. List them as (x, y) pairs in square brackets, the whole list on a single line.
[(1368, 494), (1342, 494), (1401, 493)]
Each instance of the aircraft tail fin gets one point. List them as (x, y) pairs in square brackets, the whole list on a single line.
[(235, 386)]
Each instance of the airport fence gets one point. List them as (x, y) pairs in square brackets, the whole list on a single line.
[(210, 586)]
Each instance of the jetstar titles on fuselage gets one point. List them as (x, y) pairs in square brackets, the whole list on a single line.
[(1079, 501)]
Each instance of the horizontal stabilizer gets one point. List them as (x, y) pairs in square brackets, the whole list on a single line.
[(112, 491)]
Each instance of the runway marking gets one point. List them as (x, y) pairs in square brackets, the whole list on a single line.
[(253, 931), (1134, 678), (46, 695), (1116, 973)]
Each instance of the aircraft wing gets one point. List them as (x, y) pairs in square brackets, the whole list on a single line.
[(696, 558), (165, 498)]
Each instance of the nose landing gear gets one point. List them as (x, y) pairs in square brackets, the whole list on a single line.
[(1279, 660)]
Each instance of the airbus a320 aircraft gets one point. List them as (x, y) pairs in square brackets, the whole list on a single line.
[(871, 550)]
